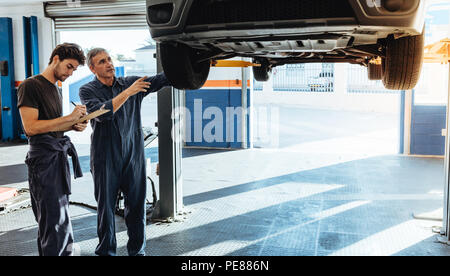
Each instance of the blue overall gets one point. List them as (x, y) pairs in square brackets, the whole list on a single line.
[(118, 160), (50, 187)]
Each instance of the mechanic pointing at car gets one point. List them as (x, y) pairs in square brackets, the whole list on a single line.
[(117, 149)]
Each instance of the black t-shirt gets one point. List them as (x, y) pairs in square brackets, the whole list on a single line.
[(38, 92)]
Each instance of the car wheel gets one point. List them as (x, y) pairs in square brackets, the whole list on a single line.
[(403, 63), (262, 73), (374, 71), (182, 67)]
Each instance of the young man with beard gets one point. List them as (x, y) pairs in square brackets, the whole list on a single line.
[(117, 149), (40, 106)]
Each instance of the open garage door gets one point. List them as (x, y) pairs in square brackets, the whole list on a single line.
[(78, 15)]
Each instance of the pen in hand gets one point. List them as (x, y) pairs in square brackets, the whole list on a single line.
[(74, 104)]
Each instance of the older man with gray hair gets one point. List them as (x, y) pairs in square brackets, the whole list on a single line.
[(117, 149)]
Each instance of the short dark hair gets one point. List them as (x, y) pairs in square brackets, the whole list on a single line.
[(68, 50), (92, 53)]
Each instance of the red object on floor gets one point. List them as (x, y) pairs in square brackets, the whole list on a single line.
[(7, 193)]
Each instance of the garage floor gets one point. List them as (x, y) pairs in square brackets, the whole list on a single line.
[(343, 192)]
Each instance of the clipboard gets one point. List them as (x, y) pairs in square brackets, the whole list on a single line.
[(93, 115)]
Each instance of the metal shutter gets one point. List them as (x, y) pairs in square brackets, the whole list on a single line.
[(104, 14)]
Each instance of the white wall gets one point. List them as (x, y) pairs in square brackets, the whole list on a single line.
[(16, 12)]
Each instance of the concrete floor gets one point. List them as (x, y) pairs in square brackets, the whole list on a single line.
[(334, 185)]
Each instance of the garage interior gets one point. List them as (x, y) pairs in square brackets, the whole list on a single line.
[(317, 173)]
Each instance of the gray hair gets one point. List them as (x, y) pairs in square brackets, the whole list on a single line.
[(92, 53)]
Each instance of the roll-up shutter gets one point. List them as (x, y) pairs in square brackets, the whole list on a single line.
[(112, 14)]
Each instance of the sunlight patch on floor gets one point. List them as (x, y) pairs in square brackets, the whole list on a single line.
[(390, 241)]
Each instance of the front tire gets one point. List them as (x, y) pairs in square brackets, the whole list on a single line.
[(182, 67)]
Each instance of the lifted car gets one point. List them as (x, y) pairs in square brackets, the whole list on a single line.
[(386, 36)]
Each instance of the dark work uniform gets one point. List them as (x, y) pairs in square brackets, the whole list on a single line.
[(118, 160), (48, 169)]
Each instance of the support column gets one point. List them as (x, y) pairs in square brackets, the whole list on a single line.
[(170, 151), (245, 112), (406, 123)]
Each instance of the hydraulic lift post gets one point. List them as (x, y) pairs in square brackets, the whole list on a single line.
[(170, 150), (446, 220), (440, 53)]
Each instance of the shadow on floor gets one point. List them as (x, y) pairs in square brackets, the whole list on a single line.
[(294, 227), (290, 228), (13, 174), (14, 143), (361, 176), (193, 152), (428, 247), (23, 241)]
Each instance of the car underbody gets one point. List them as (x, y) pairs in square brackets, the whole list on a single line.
[(329, 48), (275, 33)]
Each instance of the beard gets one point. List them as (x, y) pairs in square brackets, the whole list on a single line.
[(58, 75)]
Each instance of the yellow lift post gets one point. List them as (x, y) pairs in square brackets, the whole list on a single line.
[(438, 52), (233, 63)]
